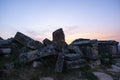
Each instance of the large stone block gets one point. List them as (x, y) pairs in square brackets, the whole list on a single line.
[(5, 51), (37, 54), (110, 47), (59, 38), (58, 35), (59, 63), (34, 55), (27, 41), (75, 63)]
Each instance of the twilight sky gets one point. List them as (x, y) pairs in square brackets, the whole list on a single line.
[(94, 19)]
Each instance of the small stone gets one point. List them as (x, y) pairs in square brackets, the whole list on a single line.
[(46, 78)]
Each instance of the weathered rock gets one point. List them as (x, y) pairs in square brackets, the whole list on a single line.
[(59, 63), (114, 69), (34, 55), (5, 43), (49, 49), (24, 50), (110, 47), (89, 48), (58, 35), (89, 53), (36, 64), (103, 76), (59, 38), (75, 63), (27, 41), (75, 49), (47, 42), (5, 51), (81, 42), (72, 56), (14, 48)]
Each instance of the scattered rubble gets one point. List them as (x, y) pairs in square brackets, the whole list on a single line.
[(75, 55)]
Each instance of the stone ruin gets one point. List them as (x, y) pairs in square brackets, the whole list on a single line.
[(75, 55)]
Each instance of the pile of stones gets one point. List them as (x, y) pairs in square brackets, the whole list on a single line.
[(75, 55)]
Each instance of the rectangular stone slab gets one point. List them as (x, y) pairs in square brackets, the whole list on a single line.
[(33, 55), (27, 41), (60, 63), (5, 51)]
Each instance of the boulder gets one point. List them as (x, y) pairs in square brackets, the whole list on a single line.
[(110, 47), (5, 51), (90, 54), (24, 50), (59, 38), (58, 35), (27, 41), (86, 47), (47, 42)]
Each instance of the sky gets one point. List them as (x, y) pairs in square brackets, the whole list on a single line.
[(93, 19)]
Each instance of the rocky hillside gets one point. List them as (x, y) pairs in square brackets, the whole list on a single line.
[(22, 58)]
